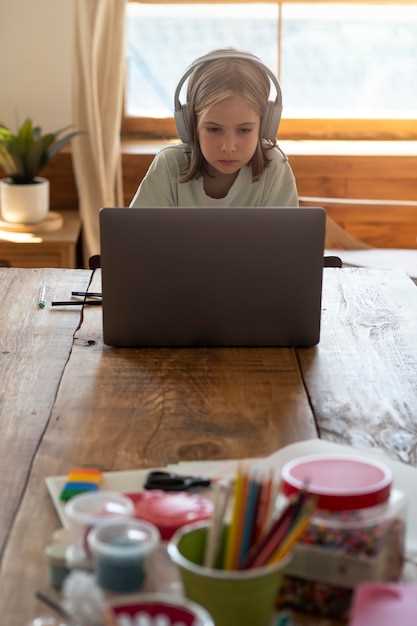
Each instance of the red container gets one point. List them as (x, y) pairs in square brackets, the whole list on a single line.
[(340, 483), (176, 610)]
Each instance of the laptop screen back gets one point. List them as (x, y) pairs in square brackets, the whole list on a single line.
[(212, 277)]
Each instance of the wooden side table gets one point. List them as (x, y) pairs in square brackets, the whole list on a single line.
[(50, 249)]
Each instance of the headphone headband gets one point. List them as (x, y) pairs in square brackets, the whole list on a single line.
[(272, 114)]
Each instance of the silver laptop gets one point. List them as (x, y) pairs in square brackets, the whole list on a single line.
[(212, 277)]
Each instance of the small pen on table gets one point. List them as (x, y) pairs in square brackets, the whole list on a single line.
[(94, 294), (42, 303), (76, 303)]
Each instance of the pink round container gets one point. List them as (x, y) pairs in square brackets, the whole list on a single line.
[(170, 511)]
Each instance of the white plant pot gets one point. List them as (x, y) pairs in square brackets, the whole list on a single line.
[(26, 204)]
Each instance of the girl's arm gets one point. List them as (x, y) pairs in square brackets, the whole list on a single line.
[(159, 186)]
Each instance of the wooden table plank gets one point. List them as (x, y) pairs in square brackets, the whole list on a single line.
[(362, 377), (127, 408), (34, 347), (216, 401)]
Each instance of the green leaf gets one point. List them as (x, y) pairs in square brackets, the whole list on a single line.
[(6, 161), (37, 132), (15, 150), (25, 132), (35, 158), (61, 130), (24, 153), (5, 134), (58, 145), (47, 141)]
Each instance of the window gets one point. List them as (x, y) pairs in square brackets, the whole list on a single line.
[(346, 70)]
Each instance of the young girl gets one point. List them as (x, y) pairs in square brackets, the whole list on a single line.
[(227, 157)]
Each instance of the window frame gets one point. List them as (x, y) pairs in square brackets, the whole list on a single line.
[(290, 128)]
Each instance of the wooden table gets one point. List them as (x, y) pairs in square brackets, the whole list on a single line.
[(42, 249), (65, 399)]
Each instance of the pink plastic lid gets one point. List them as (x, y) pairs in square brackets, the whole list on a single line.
[(341, 483), (170, 511), (384, 604)]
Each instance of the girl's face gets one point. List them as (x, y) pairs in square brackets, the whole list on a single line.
[(228, 133)]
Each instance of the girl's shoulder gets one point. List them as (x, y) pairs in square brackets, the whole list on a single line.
[(174, 157), (276, 156), (277, 165)]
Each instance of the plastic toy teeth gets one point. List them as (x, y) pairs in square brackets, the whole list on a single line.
[(144, 619)]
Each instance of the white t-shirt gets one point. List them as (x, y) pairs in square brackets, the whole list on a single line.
[(161, 187)]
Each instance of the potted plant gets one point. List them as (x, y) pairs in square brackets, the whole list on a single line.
[(24, 195)]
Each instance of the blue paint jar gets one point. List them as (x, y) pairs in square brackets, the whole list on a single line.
[(57, 565), (120, 548)]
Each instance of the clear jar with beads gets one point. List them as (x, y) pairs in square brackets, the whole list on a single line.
[(357, 533)]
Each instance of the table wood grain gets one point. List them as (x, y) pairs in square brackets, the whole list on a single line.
[(67, 400), (362, 378), (34, 349)]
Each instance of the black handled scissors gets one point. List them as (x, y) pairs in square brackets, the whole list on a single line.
[(167, 481)]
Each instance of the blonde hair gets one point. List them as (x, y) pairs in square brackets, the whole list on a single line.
[(214, 81)]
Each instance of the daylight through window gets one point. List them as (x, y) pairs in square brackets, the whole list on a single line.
[(336, 61)]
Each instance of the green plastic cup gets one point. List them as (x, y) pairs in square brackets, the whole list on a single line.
[(233, 598)]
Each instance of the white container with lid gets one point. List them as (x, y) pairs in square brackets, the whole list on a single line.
[(88, 510), (357, 533)]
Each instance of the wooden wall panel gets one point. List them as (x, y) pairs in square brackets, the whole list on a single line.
[(62, 182), (355, 167), (382, 188), (379, 187), (323, 186), (384, 235), (135, 167), (364, 177), (378, 226)]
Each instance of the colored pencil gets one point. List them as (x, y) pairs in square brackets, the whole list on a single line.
[(241, 520), (275, 488), (263, 508), (230, 549), (295, 533), (280, 525), (256, 537), (249, 519), (274, 538), (220, 498)]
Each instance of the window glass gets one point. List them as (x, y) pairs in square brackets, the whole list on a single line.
[(337, 61), (162, 40), (349, 61)]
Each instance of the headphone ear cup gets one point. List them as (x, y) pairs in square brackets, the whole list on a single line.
[(181, 121), (270, 121)]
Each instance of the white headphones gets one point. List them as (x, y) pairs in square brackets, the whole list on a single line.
[(272, 116)]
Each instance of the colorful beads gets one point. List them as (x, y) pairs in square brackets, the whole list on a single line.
[(314, 597), (340, 550)]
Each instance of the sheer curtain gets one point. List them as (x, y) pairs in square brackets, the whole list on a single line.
[(97, 91)]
